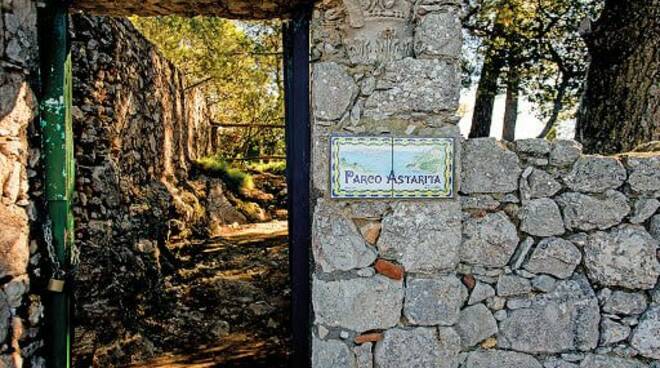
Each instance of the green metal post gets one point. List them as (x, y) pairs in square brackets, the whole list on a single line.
[(57, 144)]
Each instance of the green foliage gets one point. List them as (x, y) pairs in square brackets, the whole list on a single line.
[(237, 65), (538, 39), (237, 180), (273, 167)]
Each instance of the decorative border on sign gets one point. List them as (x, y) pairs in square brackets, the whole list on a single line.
[(337, 192)]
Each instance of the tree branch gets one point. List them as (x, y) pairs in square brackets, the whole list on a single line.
[(556, 109)]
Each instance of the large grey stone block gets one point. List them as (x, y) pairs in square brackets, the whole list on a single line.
[(646, 336), (333, 90), (612, 332), (565, 319), (417, 347), (489, 241), (654, 227), (433, 300), (564, 152), (624, 256), (596, 174), (533, 146), (337, 244), (511, 285), (364, 355), (623, 302), (643, 209), (644, 172), (331, 354), (358, 304), (538, 184), (604, 361), (475, 324), (541, 217), (500, 359), (439, 34), (411, 86), (422, 236), (481, 292), (488, 167), (450, 347), (554, 256), (586, 212), (5, 315)]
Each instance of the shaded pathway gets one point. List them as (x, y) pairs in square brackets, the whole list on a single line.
[(232, 301)]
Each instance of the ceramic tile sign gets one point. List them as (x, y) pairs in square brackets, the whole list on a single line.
[(387, 167), (361, 167), (422, 167)]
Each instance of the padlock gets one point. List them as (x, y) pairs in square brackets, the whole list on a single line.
[(55, 285)]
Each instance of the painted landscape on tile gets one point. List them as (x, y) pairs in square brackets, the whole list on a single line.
[(385, 167)]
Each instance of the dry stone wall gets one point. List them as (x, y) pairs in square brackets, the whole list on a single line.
[(20, 311), (137, 130), (545, 257)]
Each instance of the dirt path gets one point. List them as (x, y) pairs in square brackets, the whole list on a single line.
[(232, 302)]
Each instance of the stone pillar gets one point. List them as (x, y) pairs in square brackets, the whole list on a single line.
[(391, 68)]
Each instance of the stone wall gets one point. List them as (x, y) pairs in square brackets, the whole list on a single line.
[(546, 257), (19, 313), (136, 130)]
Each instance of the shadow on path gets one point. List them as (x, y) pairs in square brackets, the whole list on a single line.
[(232, 302)]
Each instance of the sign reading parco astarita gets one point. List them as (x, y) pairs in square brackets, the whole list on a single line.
[(391, 167)]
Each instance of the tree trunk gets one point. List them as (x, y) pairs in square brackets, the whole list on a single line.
[(511, 104), (620, 106), (486, 92)]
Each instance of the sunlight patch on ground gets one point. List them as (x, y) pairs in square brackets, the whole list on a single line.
[(253, 232), (230, 349)]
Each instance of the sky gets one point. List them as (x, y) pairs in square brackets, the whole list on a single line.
[(528, 126)]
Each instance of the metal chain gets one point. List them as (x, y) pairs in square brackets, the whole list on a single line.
[(58, 272)]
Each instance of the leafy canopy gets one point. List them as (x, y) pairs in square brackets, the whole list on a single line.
[(541, 38), (237, 65)]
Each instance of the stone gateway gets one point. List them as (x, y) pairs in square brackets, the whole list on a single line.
[(529, 255)]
